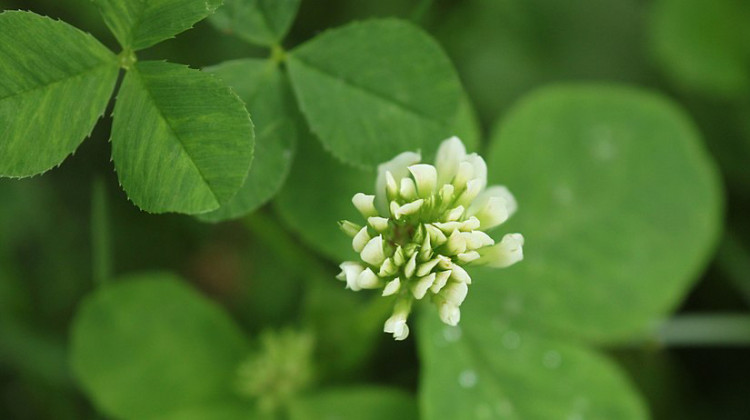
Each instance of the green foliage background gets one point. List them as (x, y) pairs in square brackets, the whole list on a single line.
[(622, 127)]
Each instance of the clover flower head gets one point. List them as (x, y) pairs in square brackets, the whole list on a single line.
[(424, 224)]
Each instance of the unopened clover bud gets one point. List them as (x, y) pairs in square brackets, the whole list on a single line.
[(380, 224), (360, 240), (398, 256), (365, 204), (411, 208), (425, 251), (425, 268), (437, 237), (455, 214), (446, 193), (505, 253), (425, 177), (349, 273), (411, 266), (388, 268), (449, 313), (349, 228), (408, 189), (455, 292), (456, 243), (440, 280), (367, 279), (392, 287), (419, 289), (373, 252)]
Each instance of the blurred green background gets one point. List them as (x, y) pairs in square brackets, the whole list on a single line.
[(695, 52)]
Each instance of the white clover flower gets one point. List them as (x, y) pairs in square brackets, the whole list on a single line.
[(425, 223)]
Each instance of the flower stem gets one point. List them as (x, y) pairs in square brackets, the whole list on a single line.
[(723, 330)]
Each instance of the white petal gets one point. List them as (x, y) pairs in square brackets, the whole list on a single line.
[(463, 176), (408, 190), (508, 252), (477, 239), (456, 244), (398, 256), (473, 188), (449, 314), (449, 156), (360, 240), (395, 210), (365, 204), (368, 279), (391, 186), (349, 272), (410, 208), (398, 168), (440, 280), (480, 168), (455, 292), (467, 257), (493, 206), (420, 288), (373, 252), (378, 223), (446, 193), (448, 227), (470, 224), (455, 214), (392, 287), (425, 177), (458, 273)]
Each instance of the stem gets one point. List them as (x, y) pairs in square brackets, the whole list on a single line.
[(726, 330), (101, 255)]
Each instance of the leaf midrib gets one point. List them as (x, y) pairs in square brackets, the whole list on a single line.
[(405, 107), (86, 71), (174, 134)]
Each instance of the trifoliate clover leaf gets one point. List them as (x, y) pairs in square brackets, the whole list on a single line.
[(424, 224)]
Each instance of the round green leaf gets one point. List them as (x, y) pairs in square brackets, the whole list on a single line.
[(361, 403), (319, 191), (148, 345), (56, 82), (318, 194), (138, 24), (261, 22), (485, 370), (619, 204), (182, 141), (265, 91), (704, 44), (374, 89)]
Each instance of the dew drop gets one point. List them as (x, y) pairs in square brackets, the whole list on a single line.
[(552, 359), (451, 334), (511, 340), (468, 379)]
